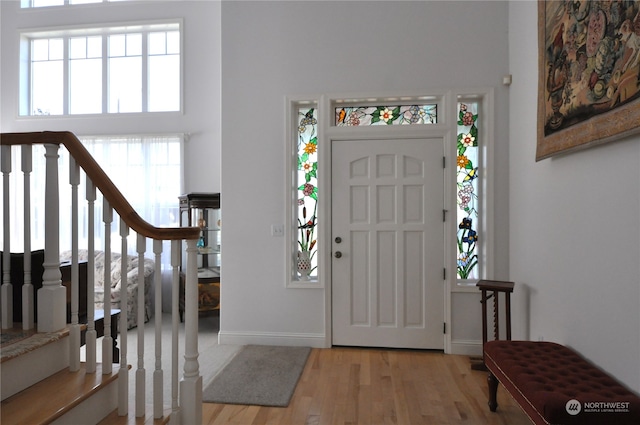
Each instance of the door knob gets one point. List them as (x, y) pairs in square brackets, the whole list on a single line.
[(338, 254)]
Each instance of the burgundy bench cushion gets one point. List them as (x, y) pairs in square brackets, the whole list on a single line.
[(543, 377)]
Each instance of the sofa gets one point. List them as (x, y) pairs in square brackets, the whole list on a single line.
[(116, 283)]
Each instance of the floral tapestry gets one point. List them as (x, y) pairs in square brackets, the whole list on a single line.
[(589, 73)]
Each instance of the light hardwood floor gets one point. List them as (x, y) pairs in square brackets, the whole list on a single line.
[(373, 386)]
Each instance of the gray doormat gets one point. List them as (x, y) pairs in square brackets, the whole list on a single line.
[(258, 375)]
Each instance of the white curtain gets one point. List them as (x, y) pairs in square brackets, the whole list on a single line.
[(147, 169)]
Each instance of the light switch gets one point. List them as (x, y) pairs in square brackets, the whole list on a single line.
[(277, 230)]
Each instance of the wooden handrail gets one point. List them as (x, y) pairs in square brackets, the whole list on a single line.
[(100, 179)]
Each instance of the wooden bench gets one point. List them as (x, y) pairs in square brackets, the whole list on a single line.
[(555, 385)]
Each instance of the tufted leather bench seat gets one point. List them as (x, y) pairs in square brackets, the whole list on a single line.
[(555, 385)]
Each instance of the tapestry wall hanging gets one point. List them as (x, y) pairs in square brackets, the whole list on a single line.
[(588, 73)]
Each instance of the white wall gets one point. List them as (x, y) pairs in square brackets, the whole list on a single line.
[(574, 228), (274, 49), (201, 79)]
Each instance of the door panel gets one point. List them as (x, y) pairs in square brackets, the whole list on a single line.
[(387, 202)]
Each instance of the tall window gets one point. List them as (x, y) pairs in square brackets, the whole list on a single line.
[(105, 70), (307, 190), (467, 191), (47, 60), (125, 73), (85, 75), (164, 71)]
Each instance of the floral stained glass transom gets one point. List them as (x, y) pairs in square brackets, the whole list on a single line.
[(307, 193), (467, 187), (386, 115)]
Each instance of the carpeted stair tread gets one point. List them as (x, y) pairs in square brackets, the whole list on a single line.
[(16, 342)]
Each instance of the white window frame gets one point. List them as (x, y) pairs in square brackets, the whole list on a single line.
[(447, 125), (486, 129), (25, 106), (292, 103)]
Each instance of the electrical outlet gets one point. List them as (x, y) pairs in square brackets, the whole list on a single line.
[(277, 230)]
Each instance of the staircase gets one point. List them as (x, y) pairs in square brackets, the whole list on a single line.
[(42, 378), (39, 388)]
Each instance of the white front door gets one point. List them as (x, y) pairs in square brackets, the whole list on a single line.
[(388, 243)]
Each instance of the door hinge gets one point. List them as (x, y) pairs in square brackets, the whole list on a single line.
[(444, 215), (444, 327), (444, 273), (444, 162)]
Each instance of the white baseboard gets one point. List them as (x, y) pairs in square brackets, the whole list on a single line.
[(272, 338), (466, 347)]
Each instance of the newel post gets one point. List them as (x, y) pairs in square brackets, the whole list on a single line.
[(52, 304)]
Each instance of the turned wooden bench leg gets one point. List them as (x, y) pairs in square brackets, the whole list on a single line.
[(493, 392)]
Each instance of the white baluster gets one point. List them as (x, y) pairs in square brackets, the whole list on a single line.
[(191, 384), (28, 309), (52, 297), (7, 289), (140, 372), (107, 340), (74, 330), (175, 290), (123, 374), (158, 386), (91, 335)]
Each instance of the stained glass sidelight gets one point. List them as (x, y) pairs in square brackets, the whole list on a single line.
[(307, 182), (467, 186), (385, 115)]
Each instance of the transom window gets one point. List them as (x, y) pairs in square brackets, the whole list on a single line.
[(102, 70), (359, 116)]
